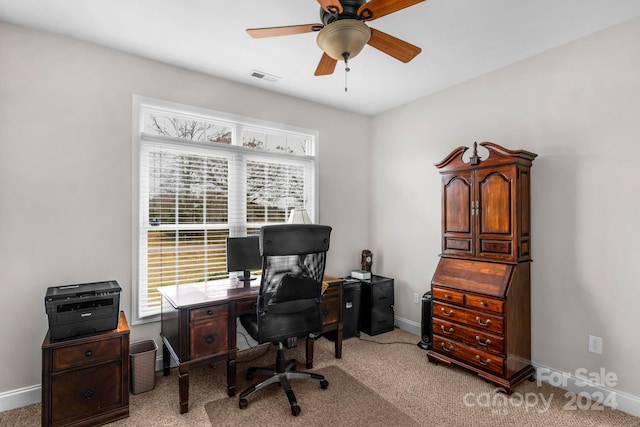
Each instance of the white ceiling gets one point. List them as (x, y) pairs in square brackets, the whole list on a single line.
[(460, 39)]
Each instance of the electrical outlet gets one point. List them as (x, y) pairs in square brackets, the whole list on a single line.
[(416, 298), (595, 344)]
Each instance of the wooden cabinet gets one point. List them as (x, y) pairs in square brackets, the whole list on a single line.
[(85, 380), (485, 205), (481, 286)]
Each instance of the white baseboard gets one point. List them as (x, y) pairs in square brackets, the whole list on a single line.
[(408, 325), (20, 397)]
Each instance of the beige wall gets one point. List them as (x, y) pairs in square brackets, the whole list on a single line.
[(65, 173), (576, 107)]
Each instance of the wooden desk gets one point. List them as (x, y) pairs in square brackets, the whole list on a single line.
[(199, 326)]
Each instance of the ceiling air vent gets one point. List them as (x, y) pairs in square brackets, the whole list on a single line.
[(264, 76)]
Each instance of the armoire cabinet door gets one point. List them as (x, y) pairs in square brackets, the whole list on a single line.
[(457, 220), (496, 213)]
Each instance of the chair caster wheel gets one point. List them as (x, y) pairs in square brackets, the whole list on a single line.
[(295, 410), (243, 403), (324, 384)]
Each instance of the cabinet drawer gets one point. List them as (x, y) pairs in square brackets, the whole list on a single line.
[(485, 303), (482, 359), (470, 336), (77, 394), (206, 314), (208, 338), (482, 321), (94, 352), (447, 295)]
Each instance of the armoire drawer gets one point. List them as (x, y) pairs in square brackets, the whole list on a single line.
[(470, 336), (480, 320), (448, 295), (481, 302), (470, 355)]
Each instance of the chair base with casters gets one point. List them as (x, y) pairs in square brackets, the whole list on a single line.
[(283, 372)]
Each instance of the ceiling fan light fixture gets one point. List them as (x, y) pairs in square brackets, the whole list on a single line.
[(344, 36)]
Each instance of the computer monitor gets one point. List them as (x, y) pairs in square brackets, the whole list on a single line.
[(243, 254)]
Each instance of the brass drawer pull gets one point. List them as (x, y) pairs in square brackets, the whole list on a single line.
[(447, 296), (450, 313), (485, 343), (487, 323), (480, 361), (482, 303), (446, 331), (447, 349)]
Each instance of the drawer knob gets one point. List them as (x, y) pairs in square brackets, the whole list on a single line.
[(209, 312), (482, 303), (209, 338), (486, 343), (89, 353), (482, 362), (447, 296), (446, 331), (88, 393), (449, 313), (487, 323), (445, 348)]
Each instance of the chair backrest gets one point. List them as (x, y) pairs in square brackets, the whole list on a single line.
[(293, 264)]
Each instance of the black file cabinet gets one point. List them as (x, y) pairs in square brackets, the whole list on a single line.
[(376, 305)]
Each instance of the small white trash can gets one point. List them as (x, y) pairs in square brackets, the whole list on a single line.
[(143, 366)]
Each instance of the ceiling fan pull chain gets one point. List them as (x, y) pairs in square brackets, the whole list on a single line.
[(345, 55)]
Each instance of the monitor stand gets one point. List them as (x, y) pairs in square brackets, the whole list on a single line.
[(246, 278)]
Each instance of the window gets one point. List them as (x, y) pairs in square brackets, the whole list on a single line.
[(202, 176)]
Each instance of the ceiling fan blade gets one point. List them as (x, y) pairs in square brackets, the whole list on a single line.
[(258, 33), (331, 6), (399, 49), (378, 8), (326, 66)]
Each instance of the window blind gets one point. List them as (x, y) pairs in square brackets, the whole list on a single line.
[(196, 188)]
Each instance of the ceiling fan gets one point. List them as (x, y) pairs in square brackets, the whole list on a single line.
[(343, 32)]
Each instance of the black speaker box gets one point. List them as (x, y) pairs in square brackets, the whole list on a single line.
[(426, 335)]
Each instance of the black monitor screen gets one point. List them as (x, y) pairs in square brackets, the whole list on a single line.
[(243, 254)]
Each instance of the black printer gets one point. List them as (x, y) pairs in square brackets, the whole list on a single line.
[(82, 309)]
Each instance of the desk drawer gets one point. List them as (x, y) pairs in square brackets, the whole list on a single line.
[(330, 308), (246, 307), (94, 352), (206, 314), (209, 338)]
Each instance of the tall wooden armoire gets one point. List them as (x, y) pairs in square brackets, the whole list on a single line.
[(481, 286)]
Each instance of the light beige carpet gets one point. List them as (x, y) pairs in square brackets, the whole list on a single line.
[(345, 402)]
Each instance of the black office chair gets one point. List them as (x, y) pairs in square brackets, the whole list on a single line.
[(289, 304)]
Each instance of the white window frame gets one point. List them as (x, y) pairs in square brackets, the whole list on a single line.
[(140, 202)]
